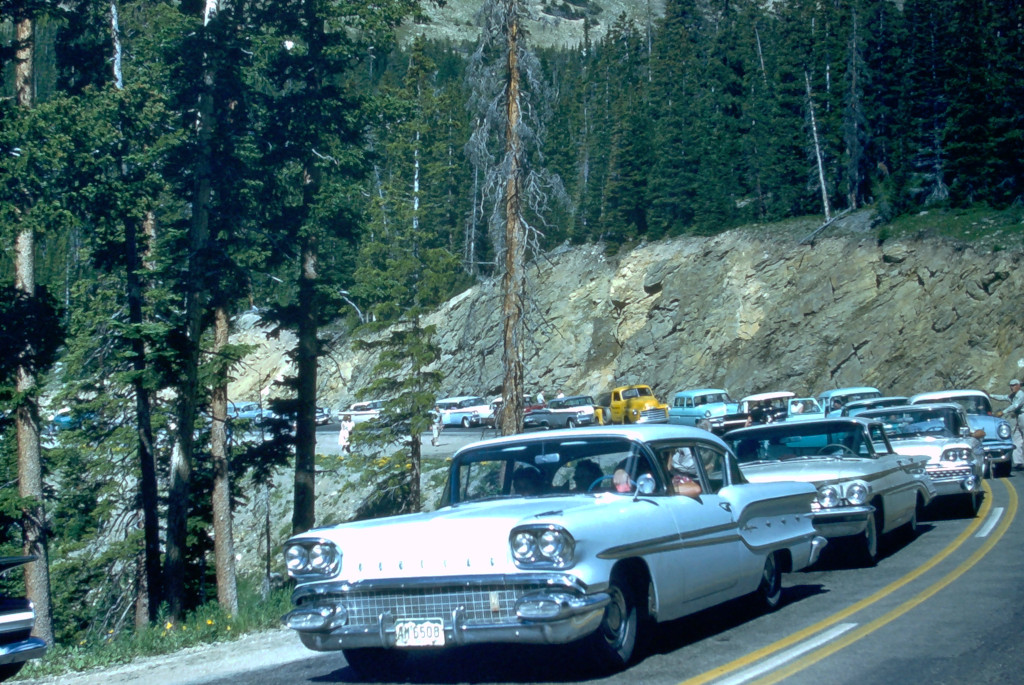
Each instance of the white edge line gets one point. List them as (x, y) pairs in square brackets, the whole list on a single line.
[(782, 657), (990, 522)]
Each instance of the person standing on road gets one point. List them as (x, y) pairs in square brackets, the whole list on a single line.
[(347, 424), (436, 426), (1015, 415)]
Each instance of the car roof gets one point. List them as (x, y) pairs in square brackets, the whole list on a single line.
[(458, 398), (641, 432), (768, 396), (848, 390), (875, 400), (800, 425), (941, 394), (881, 411), (701, 391)]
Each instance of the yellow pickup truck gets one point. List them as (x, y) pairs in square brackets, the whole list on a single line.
[(633, 404)]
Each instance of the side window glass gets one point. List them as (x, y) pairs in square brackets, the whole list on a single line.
[(715, 464)]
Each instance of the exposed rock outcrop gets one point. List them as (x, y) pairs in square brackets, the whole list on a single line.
[(747, 311)]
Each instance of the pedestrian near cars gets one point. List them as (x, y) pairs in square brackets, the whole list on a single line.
[(1015, 415), (436, 426), (345, 434)]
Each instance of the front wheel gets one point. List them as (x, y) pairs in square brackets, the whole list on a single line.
[(465, 422), (769, 593), (611, 646), (375, 663), (865, 546), (571, 423)]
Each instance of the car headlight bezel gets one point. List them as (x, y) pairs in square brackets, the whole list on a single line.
[(857, 493), (828, 496), (956, 454), (1003, 430), (542, 546), (312, 558)]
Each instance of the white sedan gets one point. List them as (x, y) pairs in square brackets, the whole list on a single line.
[(553, 537)]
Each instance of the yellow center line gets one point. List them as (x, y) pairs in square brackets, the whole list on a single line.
[(851, 637), (842, 615)]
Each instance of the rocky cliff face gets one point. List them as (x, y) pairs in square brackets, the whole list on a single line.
[(749, 311)]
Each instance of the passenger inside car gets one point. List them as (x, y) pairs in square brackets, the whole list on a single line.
[(587, 475), (682, 468)]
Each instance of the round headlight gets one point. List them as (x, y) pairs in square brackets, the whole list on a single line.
[(552, 542), (857, 493), (296, 559), (1004, 430), (828, 496), (707, 414), (955, 454), (524, 546), (323, 558)]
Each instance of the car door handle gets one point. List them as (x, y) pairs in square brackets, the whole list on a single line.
[(725, 505)]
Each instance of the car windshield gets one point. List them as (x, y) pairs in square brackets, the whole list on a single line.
[(713, 398), (972, 404), (540, 468), (917, 423), (779, 442)]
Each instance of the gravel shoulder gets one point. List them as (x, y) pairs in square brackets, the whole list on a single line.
[(197, 664)]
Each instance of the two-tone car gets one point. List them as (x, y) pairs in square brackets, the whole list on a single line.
[(466, 411), (563, 412), (996, 440), (956, 459), (690, 407), (553, 537), (865, 488), (762, 407)]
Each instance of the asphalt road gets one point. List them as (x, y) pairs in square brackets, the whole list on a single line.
[(944, 607)]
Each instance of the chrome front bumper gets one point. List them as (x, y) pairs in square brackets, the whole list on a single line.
[(839, 522), (342, 616)]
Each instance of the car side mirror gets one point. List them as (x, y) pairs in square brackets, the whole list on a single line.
[(645, 484)]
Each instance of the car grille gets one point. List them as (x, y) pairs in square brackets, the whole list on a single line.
[(484, 604), (959, 472), (653, 415)]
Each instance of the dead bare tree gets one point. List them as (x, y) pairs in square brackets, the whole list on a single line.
[(509, 98)]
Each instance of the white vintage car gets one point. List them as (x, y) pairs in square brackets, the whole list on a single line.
[(865, 489), (976, 404), (553, 537), (956, 459)]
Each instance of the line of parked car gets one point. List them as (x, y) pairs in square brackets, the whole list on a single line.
[(550, 536)]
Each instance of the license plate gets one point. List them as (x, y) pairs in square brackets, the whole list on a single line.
[(423, 633)]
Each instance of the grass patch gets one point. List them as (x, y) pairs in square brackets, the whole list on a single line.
[(207, 624), (996, 228)]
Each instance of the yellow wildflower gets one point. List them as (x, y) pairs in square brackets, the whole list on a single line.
[(209, 621), (168, 626)]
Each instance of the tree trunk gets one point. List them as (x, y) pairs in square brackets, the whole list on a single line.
[(30, 467), (223, 537), (148, 599), (514, 279), (181, 455), (304, 513)]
